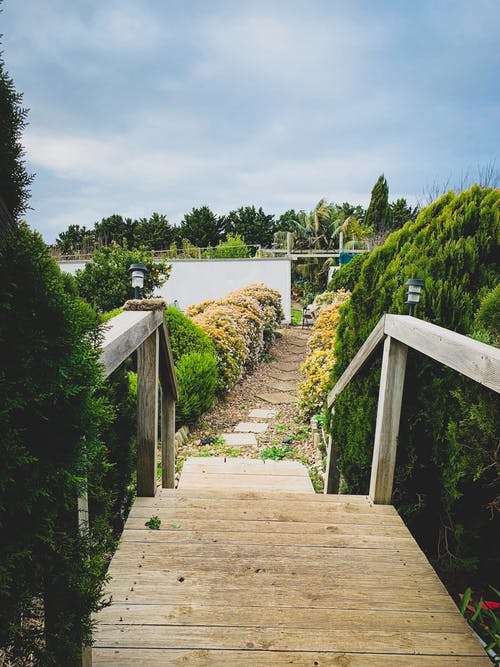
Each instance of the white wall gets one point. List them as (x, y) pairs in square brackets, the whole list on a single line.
[(193, 280)]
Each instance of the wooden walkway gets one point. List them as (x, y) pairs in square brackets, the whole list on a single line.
[(250, 567)]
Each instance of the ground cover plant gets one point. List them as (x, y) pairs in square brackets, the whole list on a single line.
[(446, 484)]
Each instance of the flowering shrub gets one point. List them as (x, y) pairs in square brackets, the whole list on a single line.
[(321, 359), (242, 325)]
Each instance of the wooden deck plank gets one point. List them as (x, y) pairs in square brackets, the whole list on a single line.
[(292, 639), (217, 658), (279, 617), (259, 578)]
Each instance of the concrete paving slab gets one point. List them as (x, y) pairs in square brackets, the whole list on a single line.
[(276, 397), (262, 413), (239, 439), (251, 427)]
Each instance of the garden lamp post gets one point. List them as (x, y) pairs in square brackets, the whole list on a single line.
[(138, 271), (414, 290)]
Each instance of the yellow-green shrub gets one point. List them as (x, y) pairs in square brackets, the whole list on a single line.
[(321, 359), (241, 325)]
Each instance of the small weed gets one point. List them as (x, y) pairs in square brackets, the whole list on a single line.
[(281, 428), (203, 453), (317, 480), (276, 453), (154, 523), (176, 525), (267, 358)]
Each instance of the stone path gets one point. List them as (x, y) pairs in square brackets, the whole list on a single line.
[(260, 416)]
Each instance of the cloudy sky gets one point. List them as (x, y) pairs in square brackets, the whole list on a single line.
[(161, 105)]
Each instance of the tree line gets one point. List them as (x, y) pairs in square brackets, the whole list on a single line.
[(202, 227)]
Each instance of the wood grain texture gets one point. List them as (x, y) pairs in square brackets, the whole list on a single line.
[(390, 397), (240, 578), (124, 333), (168, 452), (475, 360), (147, 415)]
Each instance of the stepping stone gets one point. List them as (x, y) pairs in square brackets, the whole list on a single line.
[(280, 385), (276, 397), (239, 439), (251, 427), (285, 366), (286, 376), (261, 413)]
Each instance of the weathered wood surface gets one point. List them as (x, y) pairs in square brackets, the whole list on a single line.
[(243, 578), (124, 334), (214, 473), (475, 360), (168, 452), (147, 414), (392, 379)]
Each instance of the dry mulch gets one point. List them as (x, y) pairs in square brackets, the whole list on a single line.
[(235, 408)]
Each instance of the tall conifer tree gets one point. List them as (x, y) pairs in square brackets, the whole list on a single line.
[(378, 213)]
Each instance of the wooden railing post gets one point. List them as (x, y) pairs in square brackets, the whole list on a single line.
[(147, 414), (331, 473), (167, 439), (388, 415)]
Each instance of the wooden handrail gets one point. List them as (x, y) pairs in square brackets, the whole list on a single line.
[(471, 358), (145, 331)]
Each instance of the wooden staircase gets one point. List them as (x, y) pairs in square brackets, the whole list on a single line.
[(251, 567)]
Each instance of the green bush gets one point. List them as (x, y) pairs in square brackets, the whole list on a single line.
[(348, 275), (105, 280), (51, 420), (185, 335), (446, 482), (197, 379)]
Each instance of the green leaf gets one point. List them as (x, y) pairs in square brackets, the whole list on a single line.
[(465, 600)]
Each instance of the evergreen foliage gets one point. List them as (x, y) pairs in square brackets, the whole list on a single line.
[(252, 224), (51, 422), (196, 374), (105, 280), (378, 213), (446, 482), (201, 227), (14, 179), (185, 336), (348, 275)]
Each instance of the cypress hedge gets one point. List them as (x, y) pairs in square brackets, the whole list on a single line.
[(446, 484)]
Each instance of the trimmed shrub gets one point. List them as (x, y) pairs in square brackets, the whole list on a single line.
[(197, 380), (185, 336), (446, 482), (242, 326), (320, 361)]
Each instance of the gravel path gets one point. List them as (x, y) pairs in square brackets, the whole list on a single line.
[(286, 436)]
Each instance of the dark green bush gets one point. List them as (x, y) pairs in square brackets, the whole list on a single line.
[(51, 420), (347, 276), (197, 380), (185, 335), (446, 482)]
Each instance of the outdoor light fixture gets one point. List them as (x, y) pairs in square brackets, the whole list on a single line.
[(414, 289), (138, 271)]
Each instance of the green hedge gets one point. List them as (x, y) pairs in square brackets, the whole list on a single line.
[(185, 335), (446, 476), (197, 379), (51, 421)]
